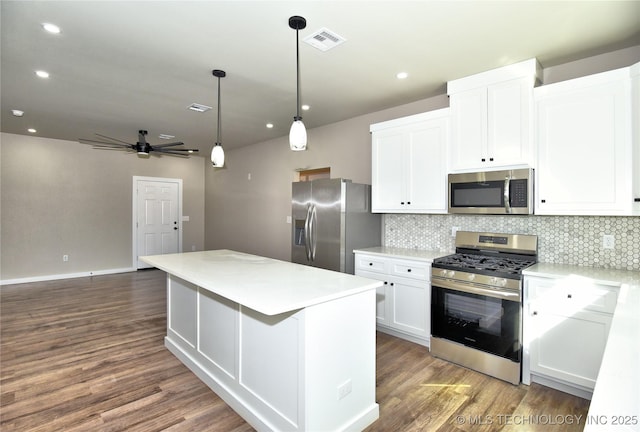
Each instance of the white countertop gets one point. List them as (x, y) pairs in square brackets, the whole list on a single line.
[(615, 404), (395, 252), (266, 285)]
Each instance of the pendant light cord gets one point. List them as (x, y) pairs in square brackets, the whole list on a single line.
[(218, 140), (298, 76)]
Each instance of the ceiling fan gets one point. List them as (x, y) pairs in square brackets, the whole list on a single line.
[(142, 147)]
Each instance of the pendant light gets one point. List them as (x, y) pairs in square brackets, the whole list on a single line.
[(298, 133), (217, 153)]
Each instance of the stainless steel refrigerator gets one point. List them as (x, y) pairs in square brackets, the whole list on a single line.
[(331, 218)]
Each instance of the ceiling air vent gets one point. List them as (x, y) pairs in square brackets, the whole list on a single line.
[(198, 107), (324, 39)]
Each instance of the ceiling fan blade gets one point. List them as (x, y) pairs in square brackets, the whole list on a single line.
[(110, 148), (175, 150), (113, 139), (103, 144), (181, 153), (168, 144)]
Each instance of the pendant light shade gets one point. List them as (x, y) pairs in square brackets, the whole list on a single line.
[(298, 133), (298, 136), (217, 153)]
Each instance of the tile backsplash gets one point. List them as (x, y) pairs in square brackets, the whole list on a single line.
[(575, 240)]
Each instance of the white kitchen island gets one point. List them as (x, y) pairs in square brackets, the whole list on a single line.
[(288, 347)]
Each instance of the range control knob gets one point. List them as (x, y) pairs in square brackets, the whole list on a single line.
[(471, 276), (498, 281), (447, 273)]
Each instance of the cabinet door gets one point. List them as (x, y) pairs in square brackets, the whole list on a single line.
[(584, 149), (388, 170), (568, 346), (469, 129), (426, 159), (509, 111), (409, 306), (382, 294)]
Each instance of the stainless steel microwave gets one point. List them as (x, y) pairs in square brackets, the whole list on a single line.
[(492, 192)]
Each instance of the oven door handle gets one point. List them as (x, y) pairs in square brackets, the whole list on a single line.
[(471, 289)]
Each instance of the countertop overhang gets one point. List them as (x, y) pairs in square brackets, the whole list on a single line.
[(266, 285)]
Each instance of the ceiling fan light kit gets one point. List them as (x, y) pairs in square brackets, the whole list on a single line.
[(298, 133), (217, 152)]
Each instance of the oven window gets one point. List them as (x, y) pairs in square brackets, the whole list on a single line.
[(484, 194), (485, 323)]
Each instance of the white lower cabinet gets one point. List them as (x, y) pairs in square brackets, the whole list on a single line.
[(566, 326), (403, 302)]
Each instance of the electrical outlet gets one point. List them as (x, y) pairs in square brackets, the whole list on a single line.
[(454, 231), (608, 241), (344, 389), (65, 258)]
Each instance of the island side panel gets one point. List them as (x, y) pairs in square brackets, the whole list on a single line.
[(340, 361)]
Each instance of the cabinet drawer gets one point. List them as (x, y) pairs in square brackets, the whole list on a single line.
[(371, 263), (575, 294), (410, 269)]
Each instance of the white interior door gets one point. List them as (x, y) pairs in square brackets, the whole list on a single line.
[(157, 218)]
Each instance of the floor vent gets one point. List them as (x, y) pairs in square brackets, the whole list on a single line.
[(324, 39)]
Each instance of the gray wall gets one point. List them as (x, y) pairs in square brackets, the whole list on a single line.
[(61, 197), (250, 215)]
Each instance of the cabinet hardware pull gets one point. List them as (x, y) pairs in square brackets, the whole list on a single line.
[(543, 201), (409, 270), (402, 202), (568, 295), (483, 160), (408, 202), (636, 199), (535, 313), (391, 284), (370, 264)]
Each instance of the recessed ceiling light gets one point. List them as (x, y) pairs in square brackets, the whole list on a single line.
[(305, 107), (51, 28), (270, 125), (17, 113), (31, 130), (166, 137), (402, 75), (42, 74)]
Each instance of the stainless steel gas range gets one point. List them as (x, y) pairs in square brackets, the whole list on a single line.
[(476, 302)]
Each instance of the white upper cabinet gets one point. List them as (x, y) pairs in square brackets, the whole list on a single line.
[(491, 118), (584, 134), (409, 164)]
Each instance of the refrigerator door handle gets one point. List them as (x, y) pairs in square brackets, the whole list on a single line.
[(314, 222), (307, 233)]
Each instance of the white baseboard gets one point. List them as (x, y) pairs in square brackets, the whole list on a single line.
[(65, 276)]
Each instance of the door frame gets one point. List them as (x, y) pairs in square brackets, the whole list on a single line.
[(134, 212)]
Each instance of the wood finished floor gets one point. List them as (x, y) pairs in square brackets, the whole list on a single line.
[(87, 354)]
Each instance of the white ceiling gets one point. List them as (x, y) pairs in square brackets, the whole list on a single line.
[(122, 66)]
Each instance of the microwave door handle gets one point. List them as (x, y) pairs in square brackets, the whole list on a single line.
[(507, 197)]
